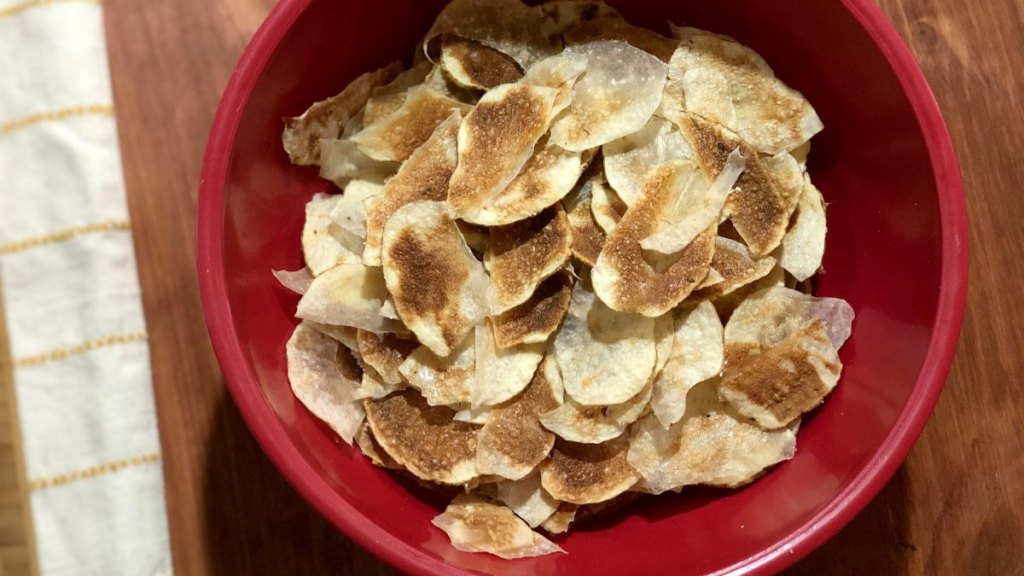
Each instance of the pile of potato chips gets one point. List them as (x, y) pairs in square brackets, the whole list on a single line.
[(562, 269)]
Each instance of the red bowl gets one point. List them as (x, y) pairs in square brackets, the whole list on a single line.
[(897, 251)]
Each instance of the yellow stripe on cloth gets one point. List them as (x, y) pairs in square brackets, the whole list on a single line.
[(62, 353), (62, 235), (56, 116), (30, 4), (93, 471)]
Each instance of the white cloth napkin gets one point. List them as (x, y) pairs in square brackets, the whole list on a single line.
[(71, 295)]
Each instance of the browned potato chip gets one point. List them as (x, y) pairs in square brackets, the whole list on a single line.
[(396, 136), (324, 377), (508, 26), (369, 446), (521, 255), (471, 64), (385, 353), (558, 523), (588, 473), (736, 267), (587, 236), (388, 98), (475, 525), (535, 320)]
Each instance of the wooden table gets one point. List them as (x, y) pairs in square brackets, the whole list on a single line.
[(955, 507)]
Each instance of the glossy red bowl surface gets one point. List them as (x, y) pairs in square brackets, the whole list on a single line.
[(897, 251)]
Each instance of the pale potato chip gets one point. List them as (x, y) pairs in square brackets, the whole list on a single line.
[(324, 378), (664, 336), (709, 445), (588, 473), (615, 28), (800, 154), (508, 26), (423, 438), (629, 160), (616, 96), (527, 498), (471, 64), (713, 278), (605, 357), (348, 295), (736, 267), (495, 141), (697, 206), (731, 85), (624, 279), (696, 355), (374, 386), (563, 13), (535, 320), (442, 381), (788, 177), (297, 281), (341, 162), (475, 525), (345, 335), (424, 176), (595, 424), (560, 71), (521, 255), (349, 214), (606, 205), (558, 523), (501, 373), (512, 442), (772, 315), (385, 353), (803, 247), (480, 415), (327, 118), (758, 209), (587, 236), (387, 309), (372, 450), (395, 137), (387, 99), (322, 245)]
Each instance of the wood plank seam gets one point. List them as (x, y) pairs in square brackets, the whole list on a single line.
[(89, 346), (93, 471), (64, 235), (56, 116), (30, 4)]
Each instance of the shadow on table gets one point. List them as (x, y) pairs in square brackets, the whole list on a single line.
[(257, 524)]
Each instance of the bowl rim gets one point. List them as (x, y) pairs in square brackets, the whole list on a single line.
[(272, 437)]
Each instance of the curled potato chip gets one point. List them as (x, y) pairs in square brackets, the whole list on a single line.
[(348, 295), (495, 141), (629, 160), (508, 26), (395, 137), (322, 239), (501, 373), (476, 525), (423, 438), (436, 282), (527, 498), (297, 281), (624, 279), (385, 353), (804, 245), (696, 355), (616, 96), (729, 84), (327, 118), (735, 267), (588, 473), (615, 28), (606, 205), (388, 98), (341, 162), (471, 64), (349, 214), (710, 445), (538, 318), (512, 442), (605, 357), (424, 176), (521, 255), (442, 381), (587, 236), (595, 424), (324, 378)]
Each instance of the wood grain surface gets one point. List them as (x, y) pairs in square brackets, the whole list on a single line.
[(955, 507)]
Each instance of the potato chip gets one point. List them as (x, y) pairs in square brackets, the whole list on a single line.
[(297, 281), (736, 267), (395, 137), (467, 413), (495, 141), (606, 205), (508, 26), (512, 442), (558, 523), (616, 96), (615, 28), (726, 303), (345, 335), (758, 209), (729, 84), (521, 255), (442, 381), (788, 177), (388, 98), (424, 176), (587, 236), (349, 213), (804, 245), (563, 13), (385, 353), (560, 71), (605, 357), (527, 499), (475, 525), (341, 162), (595, 424), (709, 445), (324, 378), (629, 160), (372, 450), (374, 386), (471, 64), (624, 279), (772, 315), (423, 438), (322, 245), (696, 355), (327, 118), (664, 335), (588, 473), (348, 295), (535, 320), (501, 373)]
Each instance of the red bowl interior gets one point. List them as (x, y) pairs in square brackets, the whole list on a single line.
[(896, 251)]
